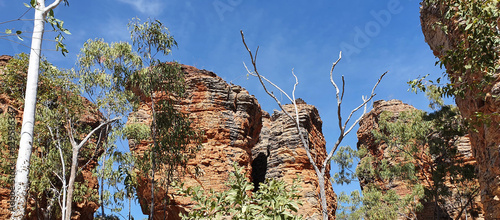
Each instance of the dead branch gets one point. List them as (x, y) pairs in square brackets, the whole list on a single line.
[(342, 124)]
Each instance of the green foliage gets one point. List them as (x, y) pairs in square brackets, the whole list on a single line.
[(59, 107), (345, 158), (350, 206), (472, 62), (174, 141), (104, 70), (57, 26), (137, 131), (120, 77), (106, 74), (380, 200), (60, 117), (378, 204), (13, 80), (434, 94), (128, 175), (17, 33), (151, 38), (274, 200)]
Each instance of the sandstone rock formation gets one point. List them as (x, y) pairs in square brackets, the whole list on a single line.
[(82, 210), (486, 140), (230, 119), (279, 154), (452, 207), (369, 123), (237, 130)]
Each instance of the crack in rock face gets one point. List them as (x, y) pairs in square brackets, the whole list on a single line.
[(235, 129)]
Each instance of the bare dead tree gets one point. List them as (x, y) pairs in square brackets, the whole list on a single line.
[(344, 126)]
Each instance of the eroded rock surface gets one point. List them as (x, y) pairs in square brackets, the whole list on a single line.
[(380, 150), (486, 139), (279, 154), (237, 130), (230, 120)]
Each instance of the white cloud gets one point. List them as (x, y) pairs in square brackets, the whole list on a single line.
[(149, 7)]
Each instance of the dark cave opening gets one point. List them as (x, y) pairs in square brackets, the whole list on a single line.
[(259, 168)]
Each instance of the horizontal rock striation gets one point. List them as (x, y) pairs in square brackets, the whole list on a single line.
[(280, 155), (235, 129)]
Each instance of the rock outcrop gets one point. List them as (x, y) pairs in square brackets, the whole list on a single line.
[(235, 129), (452, 207), (230, 120), (485, 139), (279, 154), (12, 108), (366, 138)]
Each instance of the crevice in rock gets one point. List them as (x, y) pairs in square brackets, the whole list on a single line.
[(259, 169)]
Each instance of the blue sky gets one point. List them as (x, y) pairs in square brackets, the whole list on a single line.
[(375, 37)]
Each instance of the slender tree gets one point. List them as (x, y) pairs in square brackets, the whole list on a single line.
[(163, 84), (60, 110), (101, 76), (109, 73), (26, 141), (344, 126), (104, 71), (61, 117)]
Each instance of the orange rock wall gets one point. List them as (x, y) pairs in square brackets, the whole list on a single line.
[(486, 140), (369, 123), (235, 131), (279, 154)]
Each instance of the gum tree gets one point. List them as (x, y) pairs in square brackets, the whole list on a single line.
[(103, 70), (42, 12), (66, 122), (173, 141)]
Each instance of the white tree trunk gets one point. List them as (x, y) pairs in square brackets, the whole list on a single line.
[(26, 143), (322, 194), (68, 197), (71, 184), (25, 146)]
